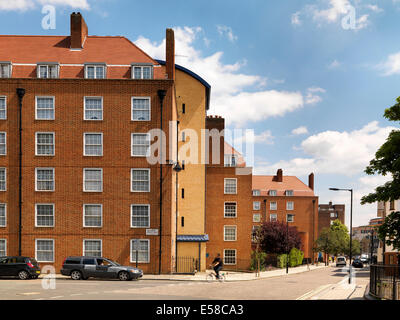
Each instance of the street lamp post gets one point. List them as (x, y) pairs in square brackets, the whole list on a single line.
[(351, 228)]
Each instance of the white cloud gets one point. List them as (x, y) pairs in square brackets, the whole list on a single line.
[(237, 91), (374, 8), (391, 66), (17, 5), (333, 13), (240, 139), (23, 5), (334, 64), (296, 19), (228, 32), (334, 152), (312, 97), (300, 130)]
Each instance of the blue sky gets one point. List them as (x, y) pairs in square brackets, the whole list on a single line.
[(312, 78)]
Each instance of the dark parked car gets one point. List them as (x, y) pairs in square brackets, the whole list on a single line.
[(85, 267), (21, 267), (357, 263)]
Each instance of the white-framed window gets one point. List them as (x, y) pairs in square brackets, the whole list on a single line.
[(3, 179), (44, 215), (272, 193), (140, 216), (3, 143), (93, 108), (273, 205), (230, 233), (256, 205), (290, 217), (256, 217), (230, 186), (230, 210), (140, 144), (92, 247), (230, 256), (141, 247), (93, 144), (44, 108), (47, 71), (230, 160), (92, 215), (289, 193), (92, 180), (95, 71), (3, 215), (273, 217), (45, 144), (140, 180), (142, 72), (44, 179), (334, 215), (289, 205), (141, 109), (3, 247), (5, 70), (3, 108), (256, 192), (44, 250)]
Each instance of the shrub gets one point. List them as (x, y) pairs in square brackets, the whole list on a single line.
[(295, 257), (281, 261), (254, 260)]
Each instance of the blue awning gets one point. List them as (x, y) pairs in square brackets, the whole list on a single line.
[(192, 238)]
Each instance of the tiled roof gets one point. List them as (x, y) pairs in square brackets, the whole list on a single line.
[(33, 49), (266, 183), (192, 238)]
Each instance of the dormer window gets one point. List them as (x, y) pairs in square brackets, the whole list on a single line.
[(230, 160), (272, 193), (289, 193), (142, 71), (47, 70), (256, 192), (95, 71), (5, 69)]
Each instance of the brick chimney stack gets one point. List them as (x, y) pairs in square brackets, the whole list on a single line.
[(279, 175), (170, 54), (79, 31), (311, 181)]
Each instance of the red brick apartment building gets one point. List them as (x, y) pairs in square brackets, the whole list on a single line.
[(83, 106), (236, 203), (327, 213), (287, 199)]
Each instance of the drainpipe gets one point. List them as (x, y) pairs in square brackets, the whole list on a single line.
[(21, 94), (176, 198), (161, 96)]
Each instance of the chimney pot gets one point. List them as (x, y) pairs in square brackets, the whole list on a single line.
[(279, 175), (311, 181)]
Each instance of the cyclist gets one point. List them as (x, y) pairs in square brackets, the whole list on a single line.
[(217, 264)]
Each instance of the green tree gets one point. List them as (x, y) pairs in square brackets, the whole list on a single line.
[(386, 162), (389, 231)]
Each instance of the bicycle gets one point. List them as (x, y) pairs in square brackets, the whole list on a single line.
[(212, 276)]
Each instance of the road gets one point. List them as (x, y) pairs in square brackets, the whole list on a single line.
[(288, 287)]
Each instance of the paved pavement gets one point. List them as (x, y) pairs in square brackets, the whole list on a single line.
[(319, 283)]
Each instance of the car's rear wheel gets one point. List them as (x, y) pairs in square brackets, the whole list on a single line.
[(23, 275), (123, 276), (76, 275)]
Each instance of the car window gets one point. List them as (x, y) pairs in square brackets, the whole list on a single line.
[(108, 263), (89, 261), (12, 260), (3, 260), (73, 261), (20, 260)]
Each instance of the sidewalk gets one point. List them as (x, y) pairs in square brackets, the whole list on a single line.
[(340, 291), (231, 275)]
